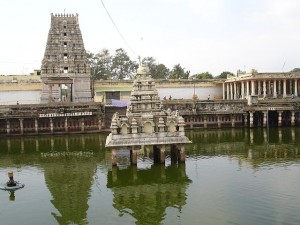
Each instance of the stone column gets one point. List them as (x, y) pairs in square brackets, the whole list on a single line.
[(51, 125), (247, 89), (279, 87), (296, 87), (36, 126), (21, 127), (258, 88), (243, 89), (275, 90), (238, 90), (205, 121), (234, 91), (133, 156), (66, 124), (264, 88), (177, 153), (228, 91), (292, 118), (251, 119), (219, 122), (232, 121), (252, 87), (284, 88), (231, 91), (7, 127), (100, 124), (159, 154), (223, 85), (279, 118)]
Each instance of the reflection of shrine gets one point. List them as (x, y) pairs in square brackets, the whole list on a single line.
[(145, 194)]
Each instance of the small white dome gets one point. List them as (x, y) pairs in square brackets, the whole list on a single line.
[(143, 70)]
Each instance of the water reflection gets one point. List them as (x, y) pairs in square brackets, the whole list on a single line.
[(63, 168), (257, 147), (146, 194), (69, 183)]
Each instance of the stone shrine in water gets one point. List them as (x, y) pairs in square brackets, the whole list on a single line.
[(146, 124), (65, 72)]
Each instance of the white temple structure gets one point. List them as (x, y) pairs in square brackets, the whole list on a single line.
[(146, 124)]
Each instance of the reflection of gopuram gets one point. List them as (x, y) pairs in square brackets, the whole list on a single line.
[(145, 194), (69, 183)]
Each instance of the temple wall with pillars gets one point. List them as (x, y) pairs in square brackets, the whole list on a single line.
[(265, 85), (55, 119)]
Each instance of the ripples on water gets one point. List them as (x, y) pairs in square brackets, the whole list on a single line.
[(230, 177)]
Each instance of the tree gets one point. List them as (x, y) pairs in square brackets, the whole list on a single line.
[(205, 75), (158, 71), (224, 74), (161, 72), (122, 66), (295, 70), (179, 73), (100, 64), (104, 64)]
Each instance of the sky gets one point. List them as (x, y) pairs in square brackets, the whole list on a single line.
[(200, 35)]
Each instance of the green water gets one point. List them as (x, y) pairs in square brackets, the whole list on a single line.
[(232, 176)]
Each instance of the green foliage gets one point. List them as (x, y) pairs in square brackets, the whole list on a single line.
[(179, 73), (158, 71), (224, 74), (205, 75), (295, 70), (100, 64), (106, 66), (122, 66)]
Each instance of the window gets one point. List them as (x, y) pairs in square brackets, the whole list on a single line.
[(65, 34), (65, 56), (66, 69), (65, 44)]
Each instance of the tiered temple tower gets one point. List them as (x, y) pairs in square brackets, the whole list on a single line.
[(146, 124), (65, 70)]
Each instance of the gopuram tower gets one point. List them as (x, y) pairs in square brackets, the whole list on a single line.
[(65, 70)]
